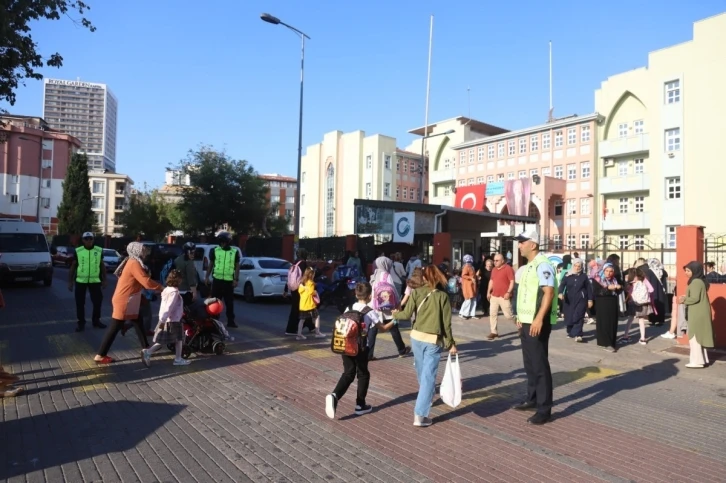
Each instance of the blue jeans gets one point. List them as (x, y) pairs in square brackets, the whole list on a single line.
[(426, 357)]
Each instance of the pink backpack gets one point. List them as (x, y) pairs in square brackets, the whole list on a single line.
[(640, 293), (294, 275), (385, 297)]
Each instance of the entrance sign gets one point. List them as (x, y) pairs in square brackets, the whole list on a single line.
[(403, 227)]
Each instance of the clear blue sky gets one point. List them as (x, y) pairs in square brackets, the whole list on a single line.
[(188, 72)]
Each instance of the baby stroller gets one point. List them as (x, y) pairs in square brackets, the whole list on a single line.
[(203, 333)]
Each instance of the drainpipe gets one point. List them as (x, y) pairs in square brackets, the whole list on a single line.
[(437, 221)]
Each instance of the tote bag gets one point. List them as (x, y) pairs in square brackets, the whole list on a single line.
[(450, 390)]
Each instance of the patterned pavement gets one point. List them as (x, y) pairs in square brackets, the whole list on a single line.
[(256, 413)]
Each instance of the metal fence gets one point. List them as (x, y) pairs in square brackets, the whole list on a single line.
[(329, 248), (714, 250), (264, 247)]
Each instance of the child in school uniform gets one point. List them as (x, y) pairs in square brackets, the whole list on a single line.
[(169, 330), (308, 304)]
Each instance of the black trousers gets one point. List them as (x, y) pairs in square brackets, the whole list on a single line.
[(354, 367), (294, 318), (224, 290), (96, 298), (535, 352), (395, 333), (113, 329)]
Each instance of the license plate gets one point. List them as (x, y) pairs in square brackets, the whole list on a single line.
[(24, 279)]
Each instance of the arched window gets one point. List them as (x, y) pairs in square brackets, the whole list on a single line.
[(329, 201)]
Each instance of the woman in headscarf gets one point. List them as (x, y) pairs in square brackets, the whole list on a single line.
[(382, 274), (698, 315), (468, 288), (133, 277), (576, 295), (607, 289)]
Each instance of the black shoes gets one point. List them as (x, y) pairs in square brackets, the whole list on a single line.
[(539, 419), (525, 406), (99, 325), (232, 325)]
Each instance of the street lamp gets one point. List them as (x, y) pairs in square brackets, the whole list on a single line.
[(569, 237), (423, 153), (40, 172), (20, 216), (276, 21)]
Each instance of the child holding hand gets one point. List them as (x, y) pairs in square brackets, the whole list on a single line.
[(308, 304)]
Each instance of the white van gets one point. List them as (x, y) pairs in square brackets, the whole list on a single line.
[(201, 258), (25, 253)]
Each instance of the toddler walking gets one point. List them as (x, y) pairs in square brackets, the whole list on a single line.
[(308, 304), (169, 330)]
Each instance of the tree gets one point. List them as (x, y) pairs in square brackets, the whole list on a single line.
[(148, 215), (276, 225), (74, 212), (222, 191), (19, 57)]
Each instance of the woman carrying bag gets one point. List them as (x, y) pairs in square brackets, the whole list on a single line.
[(431, 332)]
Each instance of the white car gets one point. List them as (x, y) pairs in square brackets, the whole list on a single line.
[(262, 277), (111, 258)]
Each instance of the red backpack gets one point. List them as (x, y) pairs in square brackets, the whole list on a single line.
[(350, 333)]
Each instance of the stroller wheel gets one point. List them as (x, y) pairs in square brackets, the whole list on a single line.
[(171, 347), (186, 352), (218, 348)]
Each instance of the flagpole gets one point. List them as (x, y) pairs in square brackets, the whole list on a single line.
[(426, 117)]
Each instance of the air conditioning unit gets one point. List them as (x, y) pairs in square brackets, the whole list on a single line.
[(609, 162)]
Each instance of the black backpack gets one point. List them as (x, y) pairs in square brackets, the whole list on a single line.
[(350, 333)]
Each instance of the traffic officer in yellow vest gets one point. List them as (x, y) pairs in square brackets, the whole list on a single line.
[(536, 314), (224, 269), (88, 273)]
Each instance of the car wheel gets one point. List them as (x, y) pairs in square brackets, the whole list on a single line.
[(249, 293)]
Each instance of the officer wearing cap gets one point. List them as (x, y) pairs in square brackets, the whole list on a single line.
[(224, 270), (88, 273), (536, 314)]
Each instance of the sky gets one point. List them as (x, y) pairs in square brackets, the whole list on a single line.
[(187, 75)]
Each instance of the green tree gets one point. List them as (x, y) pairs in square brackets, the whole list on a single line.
[(74, 213), (222, 191), (19, 56), (276, 225), (148, 215)]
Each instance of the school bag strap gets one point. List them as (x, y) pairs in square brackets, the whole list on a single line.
[(418, 309)]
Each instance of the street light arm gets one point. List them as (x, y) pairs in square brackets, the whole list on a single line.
[(299, 32)]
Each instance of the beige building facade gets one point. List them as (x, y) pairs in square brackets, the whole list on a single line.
[(110, 195), (661, 140)]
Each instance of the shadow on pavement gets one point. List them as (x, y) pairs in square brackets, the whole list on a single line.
[(79, 433)]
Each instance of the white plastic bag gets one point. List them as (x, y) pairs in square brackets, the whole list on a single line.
[(450, 389)]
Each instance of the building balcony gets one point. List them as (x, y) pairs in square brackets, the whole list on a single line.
[(442, 200), (442, 176), (613, 148), (624, 184), (626, 221)]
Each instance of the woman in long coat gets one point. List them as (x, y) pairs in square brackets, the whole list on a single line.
[(607, 289), (468, 288), (698, 315), (576, 295)]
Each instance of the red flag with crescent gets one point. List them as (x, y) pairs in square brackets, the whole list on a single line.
[(471, 197)]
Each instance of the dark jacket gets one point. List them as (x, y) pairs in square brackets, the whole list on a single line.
[(577, 292)]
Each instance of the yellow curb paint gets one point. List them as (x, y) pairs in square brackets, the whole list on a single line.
[(582, 375), (76, 358)]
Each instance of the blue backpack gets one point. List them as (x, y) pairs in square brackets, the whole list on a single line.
[(165, 271)]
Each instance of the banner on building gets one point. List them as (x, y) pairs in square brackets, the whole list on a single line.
[(403, 227), (471, 197), (495, 189), (517, 193)]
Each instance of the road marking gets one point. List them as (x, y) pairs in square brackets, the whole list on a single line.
[(76, 355)]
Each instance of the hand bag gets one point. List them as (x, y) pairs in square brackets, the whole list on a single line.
[(450, 389)]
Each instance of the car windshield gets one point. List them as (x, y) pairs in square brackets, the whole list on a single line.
[(273, 263), (168, 250), (110, 253), (22, 242)]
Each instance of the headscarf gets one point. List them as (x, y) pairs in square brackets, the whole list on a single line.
[(469, 259), (656, 267), (575, 261), (696, 269), (136, 252), (601, 276), (595, 267), (383, 266)]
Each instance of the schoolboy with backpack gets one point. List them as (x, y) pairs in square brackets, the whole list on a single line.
[(350, 341)]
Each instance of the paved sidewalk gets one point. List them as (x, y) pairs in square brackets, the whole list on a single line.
[(256, 413)]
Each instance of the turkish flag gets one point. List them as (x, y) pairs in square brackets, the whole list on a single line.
[(471, 197)]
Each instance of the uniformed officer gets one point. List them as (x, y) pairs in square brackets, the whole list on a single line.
[(88, 273)]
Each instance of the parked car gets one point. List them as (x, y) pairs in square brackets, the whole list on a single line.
[(26, 256), (262, 277), (160, 254), (63, 256), (112, 259)]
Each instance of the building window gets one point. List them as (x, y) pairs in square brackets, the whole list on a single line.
[(522, 174), (557, 240), (623, 242), (585, 206), (533, 173), (461, 182), (99, 187), (522, 145), (97, 202), (290, 199), (329, 201), (273, 199), (639, 241), (405, 194), (446, 163), (585, 170), (45, 183), (622, 168), (673, 92), (387, 161), (534, 142), (546, 140), (45, 202), (414, 167), (571, 241), (398, 165), (302, 200), (45, 220), (470, 182), (546, 171), (405, 165), (398, 193), (500, 150), (571, 171), (480, 154), (512, 148), (623, 205), (369, 190), (673, 139), (558, 207), (412, 193), (302, 178), (640, 204), (490, 179), (639, 126), (572, 136), (462, 158), (500, 177), (558, 139), (571, 207), (13, 199), (671, 236), (302, 222), (369, 162), (386, 189), (490, 150), (558, 172), (673, 188), (447, 190), (585, 134), (14, 179), (510, 175), (585, 240), (639, 166), (471, 156)]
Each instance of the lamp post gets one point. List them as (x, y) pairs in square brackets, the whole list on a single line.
[(276, 21), (20, 216), (40, 172), (571, 213), (423, 157)]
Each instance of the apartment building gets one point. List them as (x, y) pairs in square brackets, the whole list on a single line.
[(410, 177), (282, 193), (661, 140), (87, 111), (110, 195), (555, 162)]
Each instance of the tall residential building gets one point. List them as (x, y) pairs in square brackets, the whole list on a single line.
[(408, 177), (110, 196), (556, 160), (282, 192), (88, 111), (661, 140)]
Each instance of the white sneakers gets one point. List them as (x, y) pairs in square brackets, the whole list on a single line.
[(668, 335), (422, 421)]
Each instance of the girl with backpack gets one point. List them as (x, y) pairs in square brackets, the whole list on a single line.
[(385, 300), (293, 282), (639, 303), (309, 301)]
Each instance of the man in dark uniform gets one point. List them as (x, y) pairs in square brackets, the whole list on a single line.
[(88, 273), (224, 270)]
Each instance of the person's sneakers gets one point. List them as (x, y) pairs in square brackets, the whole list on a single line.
[(492, 336), (643, 342), (181, 362), (146, 357), (99, 325), (695, 366), (103, 360), (331, 404), (539, 419), (320, 335), (422, 421), (578, 338), (568, 336), (525, 406), (361, 410), (300, 337), (668, 335), (406, 351)]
